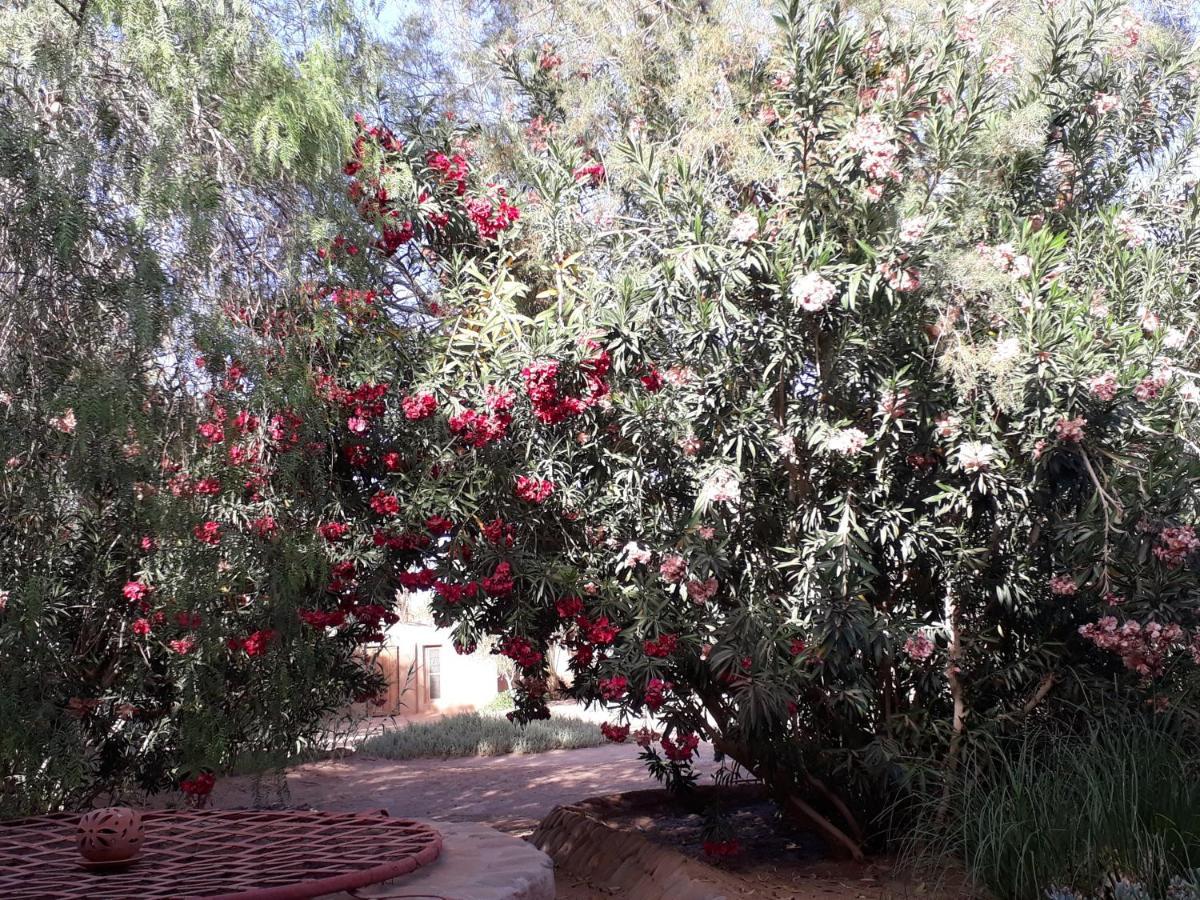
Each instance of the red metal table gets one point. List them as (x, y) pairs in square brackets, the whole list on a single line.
[(223, 854)]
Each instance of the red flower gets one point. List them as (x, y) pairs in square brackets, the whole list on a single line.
[(420, 580), (256, 644), (615, 733), (499, 533), (456, 593), (652, 380), (212, 432), (797, 646), (392, 461), (141, 627), (264, 527), (613, 688), (439, 525), (663, 647), (356, 455), (148, 544), (500, 582), (136, 590), (385, 503), (182, 646), (208, 533), (208, 486), (319, 619), (521, 651), (491, 219), (419, 406), (568, 607), (722, 849), (593, 174), (189, 621), (683, 750), (533, 490), (480, 429), (656, 693), (245, 421), (600, 632), (333, 531), (198, 788)]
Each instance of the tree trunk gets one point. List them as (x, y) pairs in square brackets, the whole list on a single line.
[(784, 792)]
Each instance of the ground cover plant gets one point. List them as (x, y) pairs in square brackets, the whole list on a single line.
[(475, 734)]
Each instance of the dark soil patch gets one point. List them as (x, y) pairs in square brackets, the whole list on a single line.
[(778, 859), (755, 820)]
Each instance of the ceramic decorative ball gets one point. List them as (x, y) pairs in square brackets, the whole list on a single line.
[(112, 834)]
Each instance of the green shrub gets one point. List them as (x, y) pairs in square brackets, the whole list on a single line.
[(1108, 812), (472, 734), (502, 702)]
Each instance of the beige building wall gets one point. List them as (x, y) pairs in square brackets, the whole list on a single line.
[(425, 674)]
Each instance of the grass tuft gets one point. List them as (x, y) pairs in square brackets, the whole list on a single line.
[(1082, 814)]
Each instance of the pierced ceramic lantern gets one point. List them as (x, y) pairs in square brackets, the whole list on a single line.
[(109, 835)]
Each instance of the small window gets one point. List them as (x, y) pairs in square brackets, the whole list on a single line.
[(433, 673)]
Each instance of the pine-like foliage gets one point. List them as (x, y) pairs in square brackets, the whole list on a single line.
[(159, 162)]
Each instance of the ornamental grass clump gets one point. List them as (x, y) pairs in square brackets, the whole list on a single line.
[(1108, 811)]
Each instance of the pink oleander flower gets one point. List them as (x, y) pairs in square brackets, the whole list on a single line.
[(1070, 430), (919, 647), (65, 423), (1143, 648), (723, 485), (847, 442), (946, 424), (1134, 232), (901, 278), (1149, 321), (877, 148), (744, 228), (811, 292), (1151, 386), (914, 229), (1063, 586), (894, 404), (700, 592), (976, 456), (635, 555), (1003, 62), (1103, 387), (673, 569), (1103, 103), (1176, 544)]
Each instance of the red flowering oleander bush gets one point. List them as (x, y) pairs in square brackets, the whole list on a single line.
[(845, 447)]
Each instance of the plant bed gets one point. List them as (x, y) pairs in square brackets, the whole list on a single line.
[(640, 842)]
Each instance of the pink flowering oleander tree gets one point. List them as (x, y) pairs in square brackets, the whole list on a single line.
[(844, 423)]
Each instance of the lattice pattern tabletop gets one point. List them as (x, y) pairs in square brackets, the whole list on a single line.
[(259, 854)]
